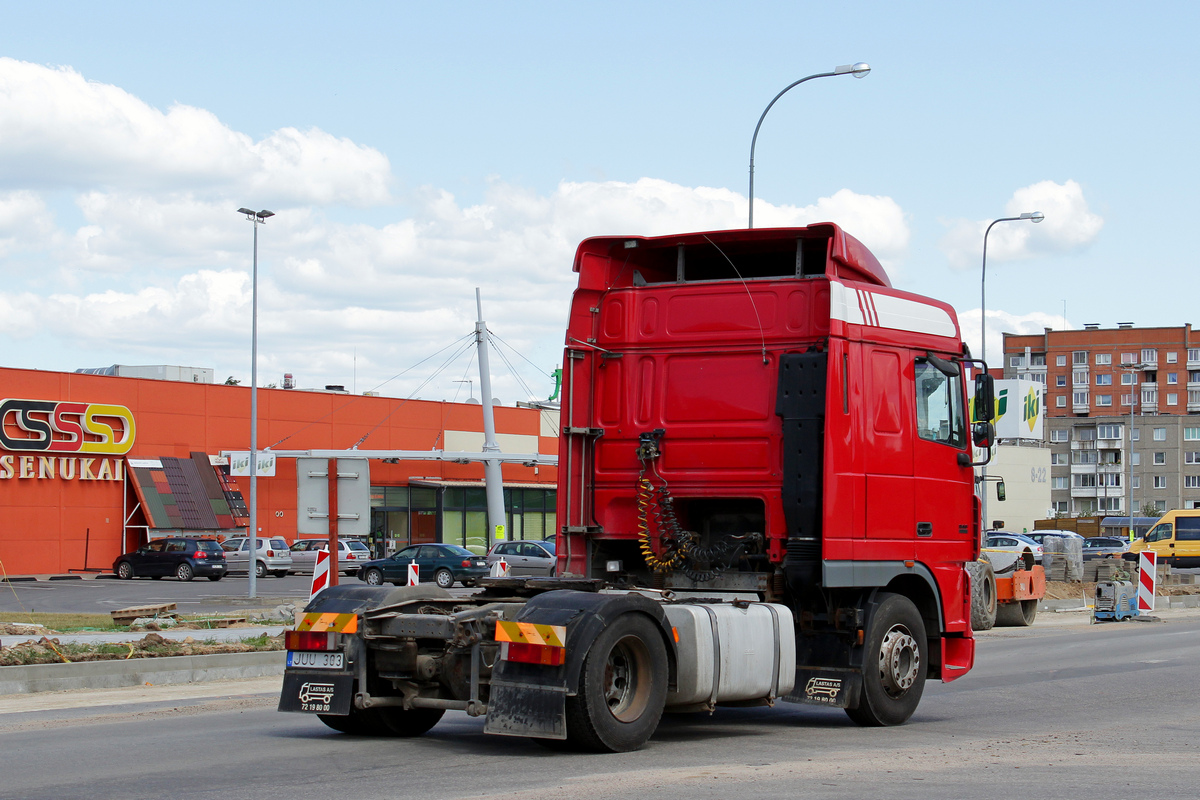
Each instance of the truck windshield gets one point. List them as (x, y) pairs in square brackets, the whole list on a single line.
[(939, 406)]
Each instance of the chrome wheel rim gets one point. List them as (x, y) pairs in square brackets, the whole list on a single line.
[(627, 679), (899, 661)]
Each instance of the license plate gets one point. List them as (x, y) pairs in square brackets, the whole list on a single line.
[(311, 660)]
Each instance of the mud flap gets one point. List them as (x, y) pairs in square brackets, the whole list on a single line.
[(316, 693), (521, 709), (837, 688)]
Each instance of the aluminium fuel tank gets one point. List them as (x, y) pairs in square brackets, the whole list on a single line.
[(732, 653)]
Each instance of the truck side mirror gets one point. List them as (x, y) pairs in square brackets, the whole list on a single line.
[(1000, 490), (985, 398), (982, 434)]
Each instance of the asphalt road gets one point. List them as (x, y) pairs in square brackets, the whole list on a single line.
[(100, 596), (1063, 710)]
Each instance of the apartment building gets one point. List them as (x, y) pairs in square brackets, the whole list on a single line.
[(1122, 412)]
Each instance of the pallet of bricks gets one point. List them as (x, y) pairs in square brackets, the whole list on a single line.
[(1109, 569), (1062, 558)]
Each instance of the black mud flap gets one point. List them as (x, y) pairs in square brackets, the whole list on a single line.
[(519, 709), (839, 688), (317, 693)]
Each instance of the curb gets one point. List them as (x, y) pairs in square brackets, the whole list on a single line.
[(140, 671), (89, 577)]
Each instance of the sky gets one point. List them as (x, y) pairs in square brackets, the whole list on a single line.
[(413, 153)]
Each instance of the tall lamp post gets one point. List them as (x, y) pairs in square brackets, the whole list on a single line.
[(1034, 216), (858, 70), (258, 218), (1132, 369)]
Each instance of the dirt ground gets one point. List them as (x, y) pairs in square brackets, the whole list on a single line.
[(1067, 590), (48, 650)]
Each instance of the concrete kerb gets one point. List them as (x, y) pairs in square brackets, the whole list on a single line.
[(140, 671)]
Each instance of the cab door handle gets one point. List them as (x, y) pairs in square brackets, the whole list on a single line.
[(924, 529)]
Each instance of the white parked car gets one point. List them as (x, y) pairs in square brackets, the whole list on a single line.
[(273, 556), (351, 553)]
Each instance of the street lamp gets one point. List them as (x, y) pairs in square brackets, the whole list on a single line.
[(858, 70), (1132, 369), (258, 218), (1035, 216)]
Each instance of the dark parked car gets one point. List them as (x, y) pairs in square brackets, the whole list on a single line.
[(525, 558), (183, 557), (442, 564)]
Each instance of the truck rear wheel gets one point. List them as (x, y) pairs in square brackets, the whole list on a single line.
[(1016, 615), (622, 688), (894, 664), (983, 595)]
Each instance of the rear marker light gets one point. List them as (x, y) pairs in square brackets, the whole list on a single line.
[(310, 640), (533, 653)]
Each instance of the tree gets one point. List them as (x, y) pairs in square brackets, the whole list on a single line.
[(1150, 509), (232, 381)]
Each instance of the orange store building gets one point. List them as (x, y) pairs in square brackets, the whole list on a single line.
[(68, 440)]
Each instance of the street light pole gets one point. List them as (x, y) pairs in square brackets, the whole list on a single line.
[(858, 70), (258, 218), (1035, 216)]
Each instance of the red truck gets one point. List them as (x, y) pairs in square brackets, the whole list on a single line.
[(766, 492)]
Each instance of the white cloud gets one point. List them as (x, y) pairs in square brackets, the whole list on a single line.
[(157, 271), (63, 130), (180, 292), (1069, 226), (24, 221), (1002, 322)]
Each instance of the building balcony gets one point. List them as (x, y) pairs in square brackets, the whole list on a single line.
[(1077, 444)]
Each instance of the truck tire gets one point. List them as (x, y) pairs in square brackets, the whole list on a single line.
[(983, 595), (895, 663), (1016, 615), (622, 688)]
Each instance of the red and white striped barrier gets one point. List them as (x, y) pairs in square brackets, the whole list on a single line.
[(1147, 573), (499, 569), (414, 575), (320, 577)]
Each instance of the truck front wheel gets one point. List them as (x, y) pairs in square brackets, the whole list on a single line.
[(622, 688), (894, 664)]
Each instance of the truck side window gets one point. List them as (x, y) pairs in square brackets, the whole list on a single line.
[(939, 405)]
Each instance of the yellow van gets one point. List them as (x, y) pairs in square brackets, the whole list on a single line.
[(1175, 537)]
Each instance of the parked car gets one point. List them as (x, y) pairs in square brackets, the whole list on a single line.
[(525, 558), (1000, 545), (442, 564), (183, 557), (1040, 536), (1104, 547), (351, 554), (273, 556)]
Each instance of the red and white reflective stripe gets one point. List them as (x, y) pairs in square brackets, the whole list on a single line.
[(320, 577), (1147, 574), (866, 304), (414, 575)]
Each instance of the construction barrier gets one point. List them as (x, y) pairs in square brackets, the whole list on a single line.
[(320, 578), (1147, 573), (414, 575), (499, 569)]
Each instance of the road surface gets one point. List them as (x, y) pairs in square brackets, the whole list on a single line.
[(1063, 710)]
